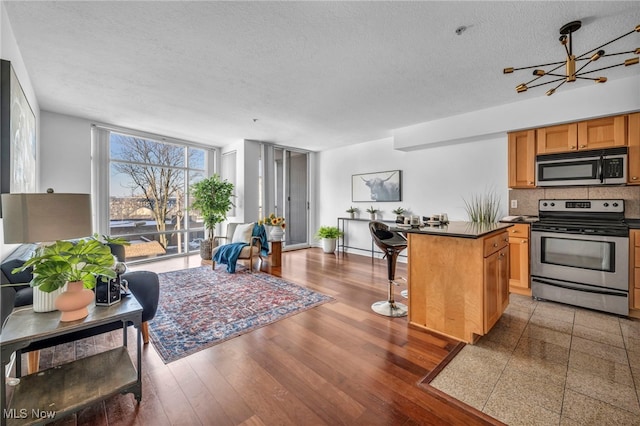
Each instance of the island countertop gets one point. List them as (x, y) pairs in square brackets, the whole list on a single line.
[(456, 229)]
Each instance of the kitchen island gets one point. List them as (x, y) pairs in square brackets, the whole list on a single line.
[(458, 277)]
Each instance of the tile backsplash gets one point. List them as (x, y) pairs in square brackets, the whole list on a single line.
[(528, 198)]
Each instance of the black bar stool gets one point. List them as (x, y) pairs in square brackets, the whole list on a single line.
[(391, 244)]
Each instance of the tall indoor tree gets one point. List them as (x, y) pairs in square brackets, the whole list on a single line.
[(212, 198)]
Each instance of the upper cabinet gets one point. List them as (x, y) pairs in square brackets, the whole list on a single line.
[(561, 138), (634, 149), (522, 157), (599, 133), (602, 132)]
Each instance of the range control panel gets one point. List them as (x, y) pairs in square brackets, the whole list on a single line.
[(582, 206)]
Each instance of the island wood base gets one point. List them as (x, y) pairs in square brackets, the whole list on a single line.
[(458, 287)]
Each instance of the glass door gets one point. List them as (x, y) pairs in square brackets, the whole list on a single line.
[(291, 194)]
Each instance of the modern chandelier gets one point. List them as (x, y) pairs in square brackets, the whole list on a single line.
[(571, 62)]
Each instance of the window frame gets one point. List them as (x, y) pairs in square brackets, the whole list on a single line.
[(101, 180)]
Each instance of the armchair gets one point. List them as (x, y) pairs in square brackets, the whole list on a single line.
[(245, 241)]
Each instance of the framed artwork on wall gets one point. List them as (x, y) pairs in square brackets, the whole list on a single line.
[(377, 186), (17, 135)]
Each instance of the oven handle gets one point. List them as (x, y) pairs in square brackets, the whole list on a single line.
[(555, 284)]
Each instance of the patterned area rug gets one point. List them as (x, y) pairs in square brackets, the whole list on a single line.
[(200, 308)]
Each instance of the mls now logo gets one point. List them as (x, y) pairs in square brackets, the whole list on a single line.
[(23, 413)]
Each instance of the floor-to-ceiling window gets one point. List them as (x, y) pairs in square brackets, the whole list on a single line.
[(147, 181)]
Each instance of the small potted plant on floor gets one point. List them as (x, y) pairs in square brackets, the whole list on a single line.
[(352, 211), (372, 212), (398, 212), (328, 235)]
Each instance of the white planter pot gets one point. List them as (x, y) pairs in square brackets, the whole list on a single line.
[(329, 245), (276, 233), (45, 302)]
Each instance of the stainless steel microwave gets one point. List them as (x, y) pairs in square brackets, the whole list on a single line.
[(597, 167)]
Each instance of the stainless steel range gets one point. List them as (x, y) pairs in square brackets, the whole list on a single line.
[(580, 254)]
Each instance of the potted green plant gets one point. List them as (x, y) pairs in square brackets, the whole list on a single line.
[(372, 212), (352, 211), (211, 197), (76, 264), (398, 212), (328, 236)]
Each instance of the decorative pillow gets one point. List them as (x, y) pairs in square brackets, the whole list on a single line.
[(242, 234)]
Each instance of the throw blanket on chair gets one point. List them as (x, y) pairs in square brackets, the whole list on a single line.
[(228, 254)]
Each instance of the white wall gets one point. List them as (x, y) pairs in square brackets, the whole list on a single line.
[(9, 51), (435, 180), (66, 153)]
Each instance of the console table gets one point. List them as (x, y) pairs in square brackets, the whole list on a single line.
[(53, 393), (343, 242)]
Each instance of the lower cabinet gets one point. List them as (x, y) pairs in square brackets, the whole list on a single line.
[(496, 287), (634, 263), (519, 276)]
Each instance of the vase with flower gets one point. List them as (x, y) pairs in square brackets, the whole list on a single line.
[(275, 226)]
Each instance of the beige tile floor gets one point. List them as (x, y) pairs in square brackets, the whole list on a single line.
[(551, 364)]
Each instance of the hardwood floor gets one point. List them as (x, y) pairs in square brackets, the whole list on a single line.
[(338, 363)]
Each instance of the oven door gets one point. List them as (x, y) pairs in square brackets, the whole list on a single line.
[(597, 260)]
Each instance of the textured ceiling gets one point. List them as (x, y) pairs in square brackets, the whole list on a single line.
[(316, 75)]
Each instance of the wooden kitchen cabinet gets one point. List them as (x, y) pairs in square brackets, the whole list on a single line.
[(634, 149), (496, 287), (522, 158), (519, 278), (634, 268), (554, 139), (607, 132), (458, 287)]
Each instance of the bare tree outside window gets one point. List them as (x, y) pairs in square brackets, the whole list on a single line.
[(149, 182)]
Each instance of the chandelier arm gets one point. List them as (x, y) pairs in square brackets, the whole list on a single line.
[(619, 53), (604, 68), (556, 75), (607, 43), (546, 82), (582, 67), (541, 65), (588, 78)]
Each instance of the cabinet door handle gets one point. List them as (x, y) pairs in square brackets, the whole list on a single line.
[(634, 178), (495, 244), (524, 241), (573, 147), (582, 146)]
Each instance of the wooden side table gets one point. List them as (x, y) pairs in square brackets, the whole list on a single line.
[(276, 253)]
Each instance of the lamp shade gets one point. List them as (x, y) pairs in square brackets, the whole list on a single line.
[(32, 218)]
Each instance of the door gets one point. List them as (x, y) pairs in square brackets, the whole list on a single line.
[(291, 195)]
